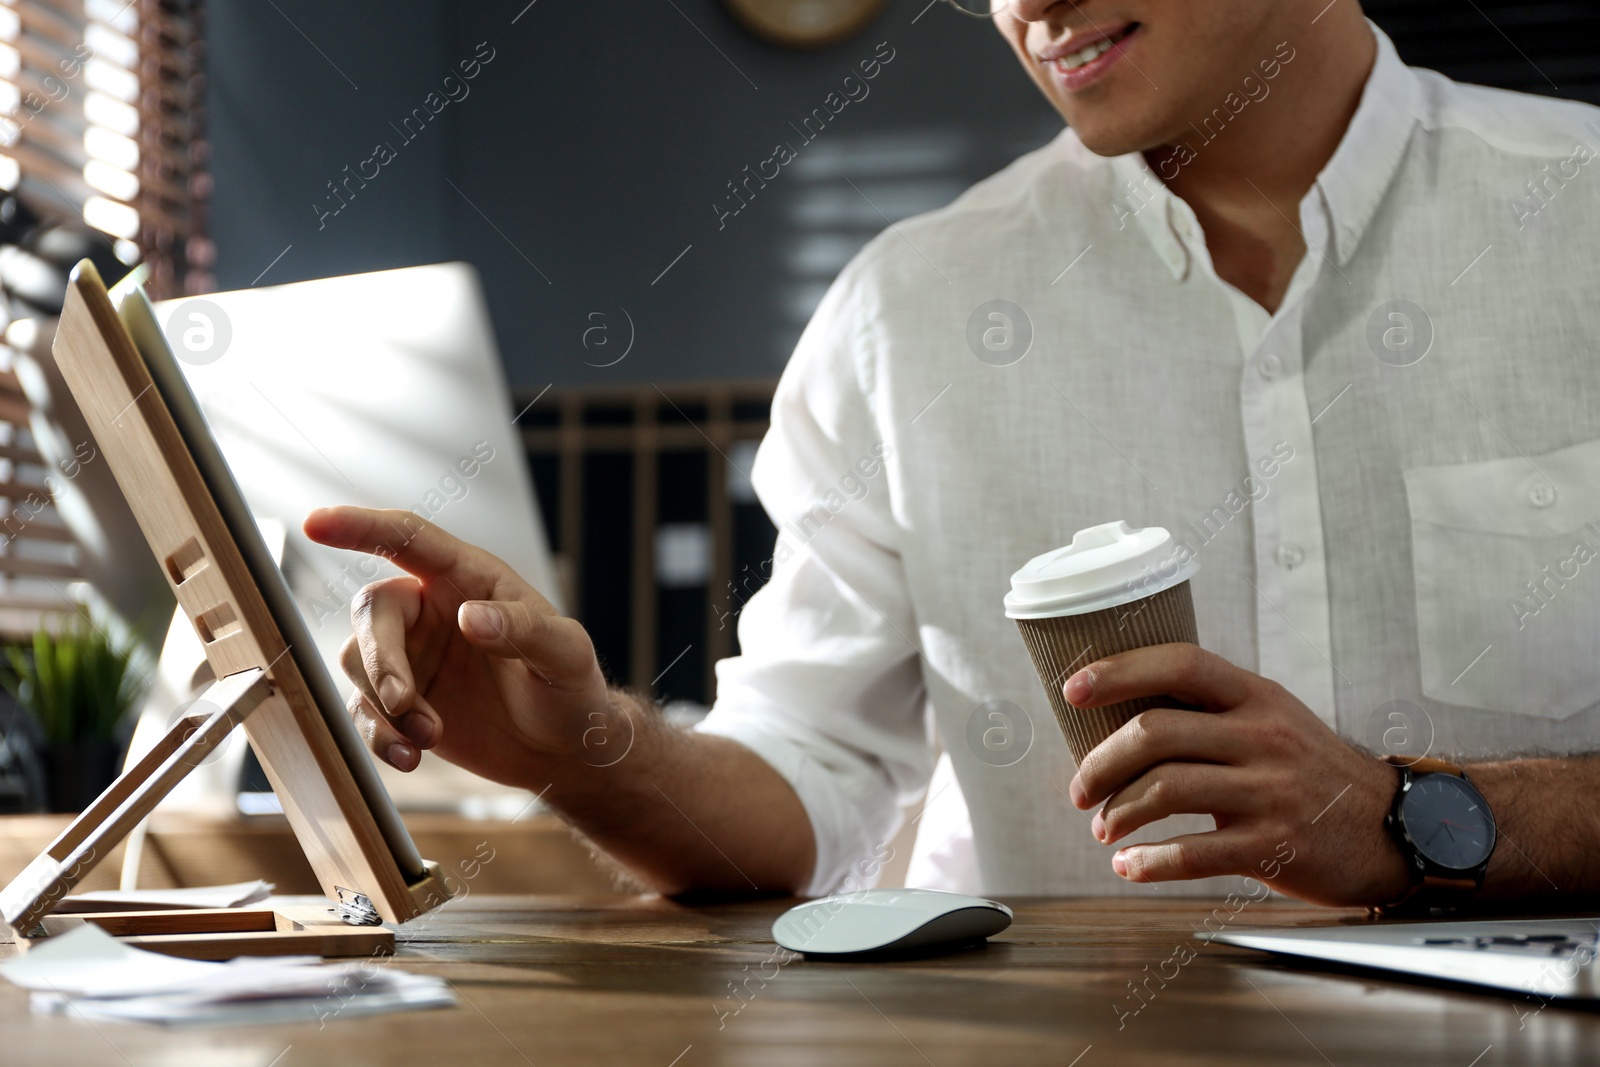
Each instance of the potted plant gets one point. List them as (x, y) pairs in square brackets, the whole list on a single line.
[(79, 682)]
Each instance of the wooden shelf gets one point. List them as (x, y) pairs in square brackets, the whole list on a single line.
[(564, 431)]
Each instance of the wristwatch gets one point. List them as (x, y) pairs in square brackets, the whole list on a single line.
[(1444, 828)]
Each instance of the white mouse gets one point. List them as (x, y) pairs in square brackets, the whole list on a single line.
[(888, 920)]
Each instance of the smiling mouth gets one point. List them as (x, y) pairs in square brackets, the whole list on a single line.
[(1089, 53)]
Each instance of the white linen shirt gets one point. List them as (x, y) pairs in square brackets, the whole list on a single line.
[(1392, 484)]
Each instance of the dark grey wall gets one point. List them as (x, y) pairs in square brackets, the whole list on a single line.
[(588, 154), (291, 104), (603, 144)]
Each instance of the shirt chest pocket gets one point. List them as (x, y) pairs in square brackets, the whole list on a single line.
[(1506, 556)]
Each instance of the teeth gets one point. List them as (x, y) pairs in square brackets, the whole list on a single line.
[(1084, 56)]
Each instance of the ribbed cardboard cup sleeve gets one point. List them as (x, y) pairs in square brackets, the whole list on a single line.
[(1066, 643)]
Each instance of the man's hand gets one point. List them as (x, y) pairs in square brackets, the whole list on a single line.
[(1278, 782), (463, 657)]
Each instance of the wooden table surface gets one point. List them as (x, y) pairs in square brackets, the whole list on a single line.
[(638, 980)]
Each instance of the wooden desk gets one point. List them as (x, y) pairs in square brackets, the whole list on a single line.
[(553, 981)]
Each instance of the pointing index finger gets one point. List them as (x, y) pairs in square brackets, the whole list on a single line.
[(403, 537)]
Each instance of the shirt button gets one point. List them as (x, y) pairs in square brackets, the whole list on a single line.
[(1542, 494), (1290, 555), (1270, 366)]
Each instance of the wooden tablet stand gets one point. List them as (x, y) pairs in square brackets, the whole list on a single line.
[(259, 684)]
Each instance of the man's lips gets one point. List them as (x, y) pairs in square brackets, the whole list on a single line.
[(1080, 62), (1080, 40)]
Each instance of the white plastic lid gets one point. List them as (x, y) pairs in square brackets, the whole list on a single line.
[(1103, 567)]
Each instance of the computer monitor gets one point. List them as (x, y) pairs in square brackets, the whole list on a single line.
[(383, 390)]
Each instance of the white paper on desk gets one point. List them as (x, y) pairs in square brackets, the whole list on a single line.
[(237, 895), (90, 962), (90, 973), (412, 993)]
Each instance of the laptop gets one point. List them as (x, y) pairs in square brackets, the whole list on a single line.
[(1552, 959)]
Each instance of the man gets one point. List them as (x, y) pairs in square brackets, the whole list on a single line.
[(1324, 317)]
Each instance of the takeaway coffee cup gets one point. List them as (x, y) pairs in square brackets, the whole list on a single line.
[(1114, 588)]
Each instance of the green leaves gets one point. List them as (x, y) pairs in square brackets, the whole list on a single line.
[(76, 679)]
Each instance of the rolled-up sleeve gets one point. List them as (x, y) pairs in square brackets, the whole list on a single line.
[(828, 687)]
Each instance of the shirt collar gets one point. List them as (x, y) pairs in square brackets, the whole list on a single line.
[(1141, 199), (1351, 185), (1363, 167)]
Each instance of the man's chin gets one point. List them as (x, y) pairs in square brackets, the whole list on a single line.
[(1115, 138)]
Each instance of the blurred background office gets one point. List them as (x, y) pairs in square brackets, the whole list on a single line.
[(648, 253)]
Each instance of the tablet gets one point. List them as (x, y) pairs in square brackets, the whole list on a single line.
[(139, 318), (146, 421)]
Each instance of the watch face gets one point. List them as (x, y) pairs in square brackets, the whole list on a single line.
[(1447, 822)]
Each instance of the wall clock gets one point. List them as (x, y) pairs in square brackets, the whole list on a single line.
[(805, 23)]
